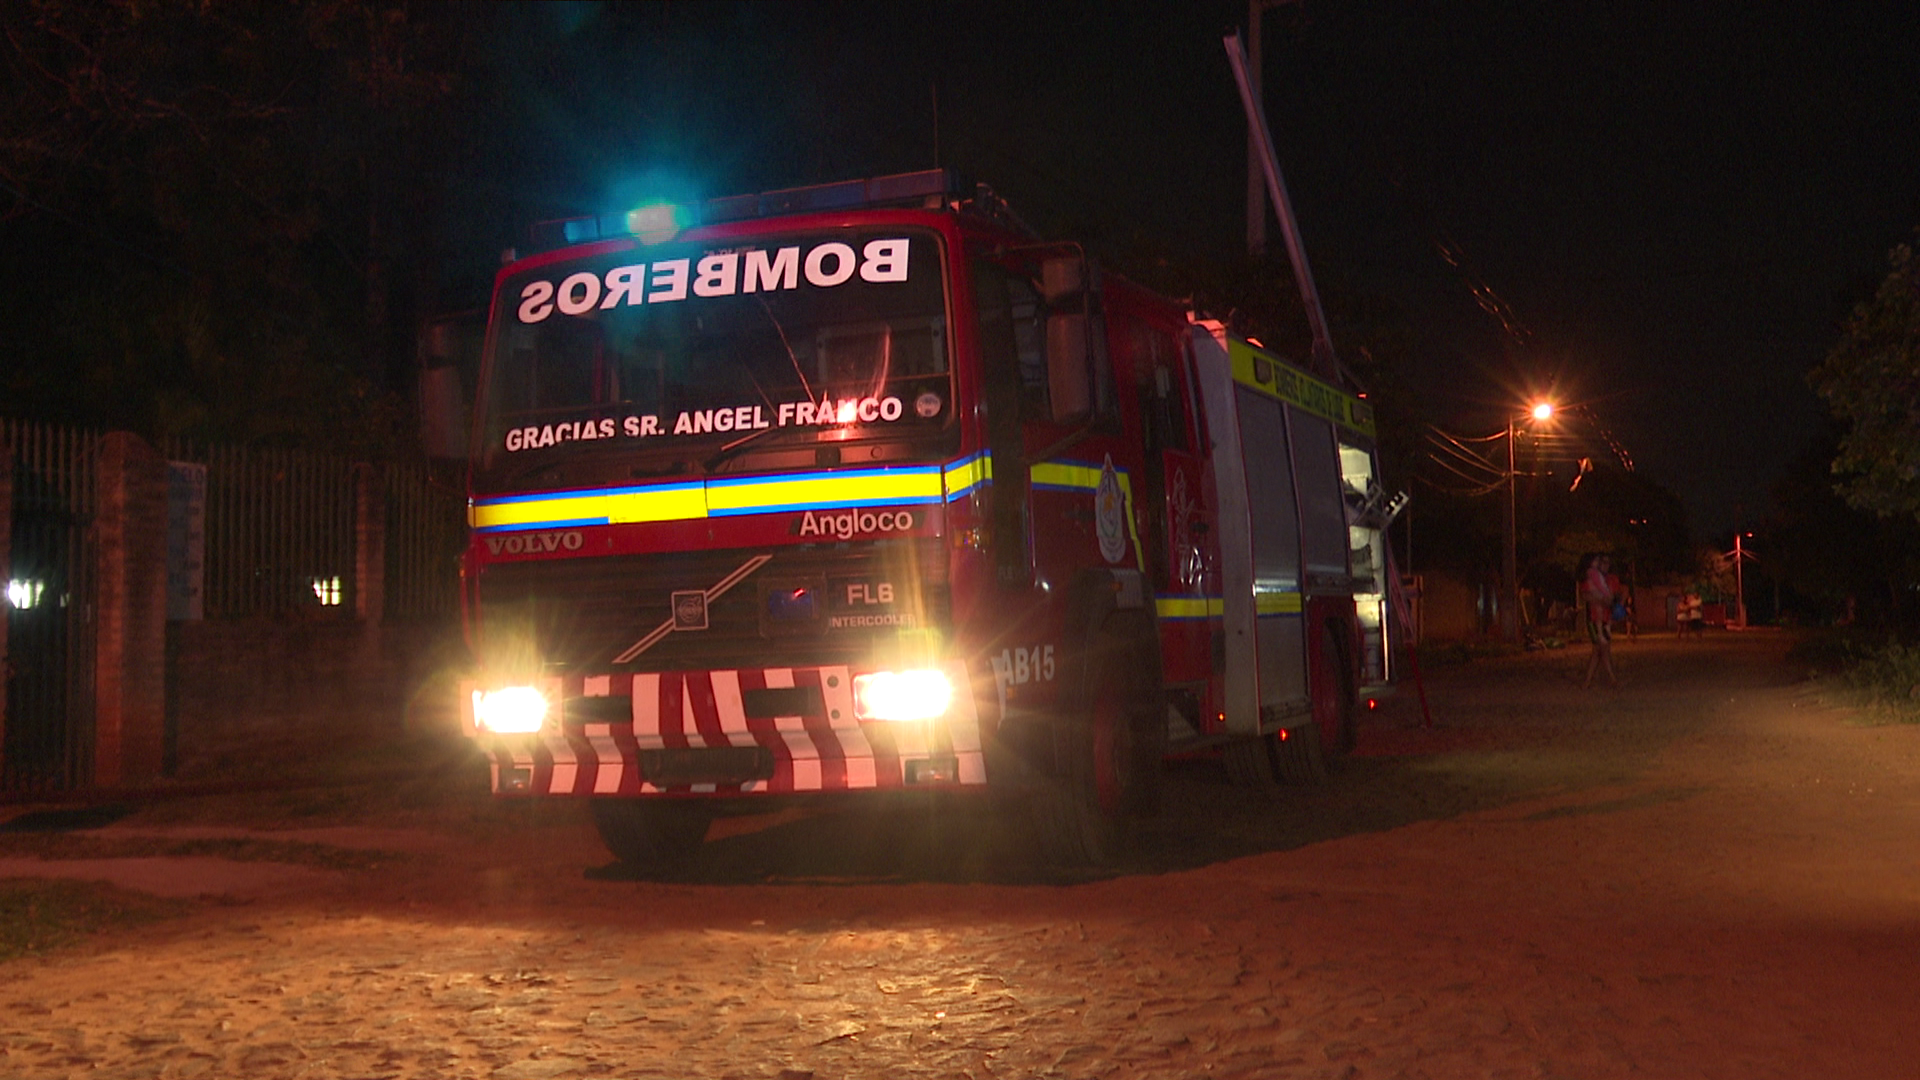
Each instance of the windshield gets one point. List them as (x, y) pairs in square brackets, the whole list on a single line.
[(692, 351)]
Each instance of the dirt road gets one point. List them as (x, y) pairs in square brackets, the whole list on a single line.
[(1703, 874)]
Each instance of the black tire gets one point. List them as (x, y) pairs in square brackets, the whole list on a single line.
[(1250, 764), (1297, 756), (1108, 754), (1346, 726), (652, 834)]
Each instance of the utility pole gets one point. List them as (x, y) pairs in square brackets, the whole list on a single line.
[(1256, 182), (1740, 557), (1510, 579), (1538, 413), (1325, 363)]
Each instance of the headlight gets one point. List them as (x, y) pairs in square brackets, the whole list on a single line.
[(510, 710), (901, 695)]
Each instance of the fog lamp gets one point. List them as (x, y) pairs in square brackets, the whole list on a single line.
[(901, 695), (510, 710)]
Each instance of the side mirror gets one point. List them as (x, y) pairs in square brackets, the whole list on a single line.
[(1063, 284), (1063, 278), (1069, 382)]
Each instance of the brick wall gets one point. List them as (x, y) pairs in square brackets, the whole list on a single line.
[(260, 693)]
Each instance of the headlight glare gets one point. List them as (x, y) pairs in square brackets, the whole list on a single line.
[(921, 694), (510, 710)]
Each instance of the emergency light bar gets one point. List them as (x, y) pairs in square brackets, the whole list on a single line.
[(929, 189)]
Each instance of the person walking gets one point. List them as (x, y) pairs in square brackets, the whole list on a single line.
[(1597, 594)]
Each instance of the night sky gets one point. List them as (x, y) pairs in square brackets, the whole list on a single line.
[(1676, 202), (1671, 206)]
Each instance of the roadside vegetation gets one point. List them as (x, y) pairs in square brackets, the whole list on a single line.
[(1858, 495), (38, 916), (1872, 671), (1887, 680)]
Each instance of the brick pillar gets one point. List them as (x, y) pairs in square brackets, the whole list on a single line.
[(369, 545), (130, 611)]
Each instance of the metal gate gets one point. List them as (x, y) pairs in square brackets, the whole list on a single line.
[(49, 649)]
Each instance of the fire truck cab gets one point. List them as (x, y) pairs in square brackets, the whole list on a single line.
[(865, 488)]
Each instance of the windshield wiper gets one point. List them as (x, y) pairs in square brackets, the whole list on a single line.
[(592, 467), (728, 451)]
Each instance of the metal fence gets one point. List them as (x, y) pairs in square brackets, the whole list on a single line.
[(279, 531), (426, 531), (49, 609), (281, 535), (283, 539)]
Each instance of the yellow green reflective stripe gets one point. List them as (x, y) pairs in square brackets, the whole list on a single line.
[(1297, 388), (962, 476), (613, 506), (1213, 607), (886, 486), (824, 491), (1189, 607), (1277, 603), (1071, 475)]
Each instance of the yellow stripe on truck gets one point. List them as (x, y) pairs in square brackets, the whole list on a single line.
[(617, 506), (1213, 607), (1274, 378), (856, 488), (1189, 607), (825, 491), (1277, 603)]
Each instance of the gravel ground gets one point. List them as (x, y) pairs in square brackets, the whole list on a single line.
[(1705, 873)]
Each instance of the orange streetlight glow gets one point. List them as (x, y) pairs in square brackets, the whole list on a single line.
[(1539, 412)]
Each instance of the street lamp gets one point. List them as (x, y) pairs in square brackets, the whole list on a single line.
[(1740, 555), (1538, 412)]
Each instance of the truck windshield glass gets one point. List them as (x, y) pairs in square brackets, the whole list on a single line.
[(683, 350)]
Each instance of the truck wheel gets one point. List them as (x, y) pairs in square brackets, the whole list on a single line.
[(1108, 757), (1250, 764), (1298, 758), (1339, 673), (649, 833)]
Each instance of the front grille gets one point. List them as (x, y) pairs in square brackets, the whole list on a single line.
[(580, 613)]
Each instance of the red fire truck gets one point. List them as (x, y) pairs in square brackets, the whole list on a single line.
[(865, 488)]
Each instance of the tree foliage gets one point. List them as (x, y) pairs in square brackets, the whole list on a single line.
[(1871, 382), (201, 210), (1822, 553)]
